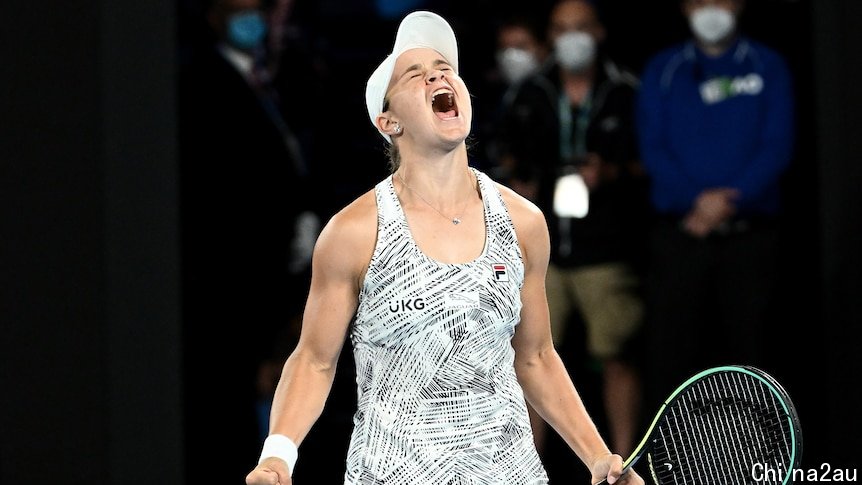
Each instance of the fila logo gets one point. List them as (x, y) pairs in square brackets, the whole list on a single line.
[(500, 273), (407, 305)]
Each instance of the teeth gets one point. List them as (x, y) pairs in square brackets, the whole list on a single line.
[(441, 91), (443, 101)]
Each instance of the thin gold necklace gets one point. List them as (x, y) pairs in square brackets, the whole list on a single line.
[(455, 220)]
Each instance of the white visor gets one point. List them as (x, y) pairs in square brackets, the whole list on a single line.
[(417, 30)]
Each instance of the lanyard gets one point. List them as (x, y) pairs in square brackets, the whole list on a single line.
[(570, 152), (570, 149)]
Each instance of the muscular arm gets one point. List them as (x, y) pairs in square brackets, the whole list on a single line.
[(307, 376), (547, 385), (341, 256), (541, 373)]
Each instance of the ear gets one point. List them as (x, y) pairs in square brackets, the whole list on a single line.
[(386, 124)]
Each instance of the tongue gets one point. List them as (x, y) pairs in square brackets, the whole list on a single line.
[(445, 115), (443, 103)]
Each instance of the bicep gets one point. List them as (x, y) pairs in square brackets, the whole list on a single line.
[(533, 334), (328, 312), (333, 297)]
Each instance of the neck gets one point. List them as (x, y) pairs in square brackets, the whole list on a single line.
[(577, 86), (438, 163), (440, 151), (717, 49), (445, 182), (585, 75)]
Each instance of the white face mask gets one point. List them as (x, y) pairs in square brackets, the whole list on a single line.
[(516, 64), (575, 50), (712, 24)]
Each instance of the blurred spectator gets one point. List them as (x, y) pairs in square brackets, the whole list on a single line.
[(570, 135), (520, 53), (247, 228), (715, 118)]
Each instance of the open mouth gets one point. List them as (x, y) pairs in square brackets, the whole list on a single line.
[(443, 104)]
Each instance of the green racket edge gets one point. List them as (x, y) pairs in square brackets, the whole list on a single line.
[(760, 375)]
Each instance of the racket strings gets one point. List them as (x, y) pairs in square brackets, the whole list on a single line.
[(718, 430)]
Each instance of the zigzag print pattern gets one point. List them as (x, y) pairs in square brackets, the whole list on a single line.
[(438, 399)]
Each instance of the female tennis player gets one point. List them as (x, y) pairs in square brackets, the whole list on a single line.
[(438, 276)]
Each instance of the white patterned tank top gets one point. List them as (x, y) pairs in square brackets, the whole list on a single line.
[(438, 399)]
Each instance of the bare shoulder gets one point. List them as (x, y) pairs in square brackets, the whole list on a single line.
[(347, 240), (528, 219), (530, 226)]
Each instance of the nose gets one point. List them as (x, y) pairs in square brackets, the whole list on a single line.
[(434, 75)]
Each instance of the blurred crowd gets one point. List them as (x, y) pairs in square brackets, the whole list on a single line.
[(658, 165)]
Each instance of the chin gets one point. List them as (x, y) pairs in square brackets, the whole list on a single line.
[(458, 131), (455, 139)]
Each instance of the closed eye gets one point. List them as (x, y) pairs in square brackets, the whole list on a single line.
[(416, 70), (411, 72)]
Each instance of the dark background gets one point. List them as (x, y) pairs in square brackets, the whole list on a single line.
[(91, 382)]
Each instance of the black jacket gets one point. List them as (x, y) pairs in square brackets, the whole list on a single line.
[(530, 133)]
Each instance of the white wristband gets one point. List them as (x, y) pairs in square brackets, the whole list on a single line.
[(280, 446)]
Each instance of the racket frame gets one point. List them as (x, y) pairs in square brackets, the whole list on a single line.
[(775, 387)]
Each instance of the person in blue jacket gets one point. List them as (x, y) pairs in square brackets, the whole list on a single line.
[(715, 122)]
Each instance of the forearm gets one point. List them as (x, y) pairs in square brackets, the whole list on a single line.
[(301, 394), (549, 390)]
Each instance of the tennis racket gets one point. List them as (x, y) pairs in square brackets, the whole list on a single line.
[(729, 425)]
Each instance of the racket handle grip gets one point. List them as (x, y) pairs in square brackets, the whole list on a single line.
[(625, 470)]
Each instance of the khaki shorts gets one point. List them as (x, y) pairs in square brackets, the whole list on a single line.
[(606, 296)]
